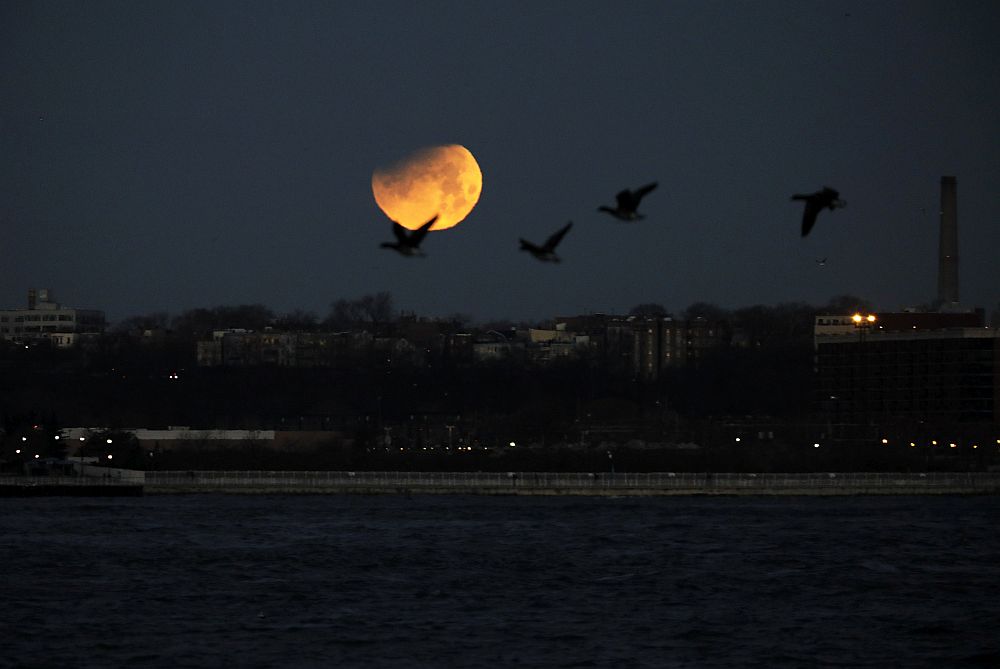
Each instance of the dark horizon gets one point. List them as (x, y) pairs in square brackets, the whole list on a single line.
[(835, 304)]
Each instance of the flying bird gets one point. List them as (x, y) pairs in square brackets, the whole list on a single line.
[(547, 251), (815, 203), (628, 202), (408, 243)]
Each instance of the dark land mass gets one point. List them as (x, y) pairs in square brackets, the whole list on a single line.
[(748, 407)]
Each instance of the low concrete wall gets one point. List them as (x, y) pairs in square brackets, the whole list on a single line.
[(541, 483)]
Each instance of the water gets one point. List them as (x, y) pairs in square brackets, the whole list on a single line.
[(439, 581)]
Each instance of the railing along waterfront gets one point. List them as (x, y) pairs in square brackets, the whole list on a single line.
[(87, 481), (582, 483)]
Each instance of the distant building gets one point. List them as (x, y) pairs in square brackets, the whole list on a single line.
[(644, 346), (907, 368), (45, 320)]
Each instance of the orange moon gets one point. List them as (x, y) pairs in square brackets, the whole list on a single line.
[(442, 180)]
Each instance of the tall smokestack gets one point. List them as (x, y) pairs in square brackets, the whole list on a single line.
[(948, 245)]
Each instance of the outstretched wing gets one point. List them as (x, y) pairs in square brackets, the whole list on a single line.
[(417, 235), (553, 241), (642, 192), (809, 215), (528, 246), (401, 233)]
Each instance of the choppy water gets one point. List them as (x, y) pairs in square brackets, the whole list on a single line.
[(437, 581)]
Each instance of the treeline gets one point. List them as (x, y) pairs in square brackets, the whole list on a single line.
[(764, 367), (344, 314)]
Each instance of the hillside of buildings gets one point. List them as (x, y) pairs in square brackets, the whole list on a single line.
[(367, 387)]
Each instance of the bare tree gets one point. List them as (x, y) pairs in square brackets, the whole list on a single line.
[(137, 324), (648, 309), (846, 304), (374, 310), (706, 310), (297, 321)]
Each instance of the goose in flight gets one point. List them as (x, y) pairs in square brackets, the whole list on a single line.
[(408, 243), (815, 203), (628, 202), (547, 251)]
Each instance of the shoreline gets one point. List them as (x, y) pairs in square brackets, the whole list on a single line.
[(539, 484)]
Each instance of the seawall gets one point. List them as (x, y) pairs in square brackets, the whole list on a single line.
[(504, 483), (589, 484)]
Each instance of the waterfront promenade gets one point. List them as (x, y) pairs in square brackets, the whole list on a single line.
[(532, 483)]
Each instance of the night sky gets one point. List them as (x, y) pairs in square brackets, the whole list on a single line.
[(161, 156)]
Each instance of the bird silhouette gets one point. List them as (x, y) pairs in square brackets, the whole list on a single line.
[(547, 251), (628, 202), (815, 203), (408, 243)]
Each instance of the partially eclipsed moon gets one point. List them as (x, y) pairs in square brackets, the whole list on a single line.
[(439, 180)]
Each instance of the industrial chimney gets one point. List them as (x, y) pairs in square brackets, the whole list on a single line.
[(948, 245)]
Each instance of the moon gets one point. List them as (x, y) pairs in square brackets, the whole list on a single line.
[(442, 180)]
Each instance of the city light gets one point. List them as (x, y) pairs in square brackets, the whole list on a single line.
[(109, 440), (884, 440), (933, 442), (953, 445), (512, 444), (737, 439), (816, 445), (110, 456), (912, 444), (26, 439), (57, 437), (18, 451)]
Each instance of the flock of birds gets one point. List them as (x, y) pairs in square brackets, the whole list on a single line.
[(626, 209)]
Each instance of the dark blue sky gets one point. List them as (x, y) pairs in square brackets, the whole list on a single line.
[(170, 155)]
